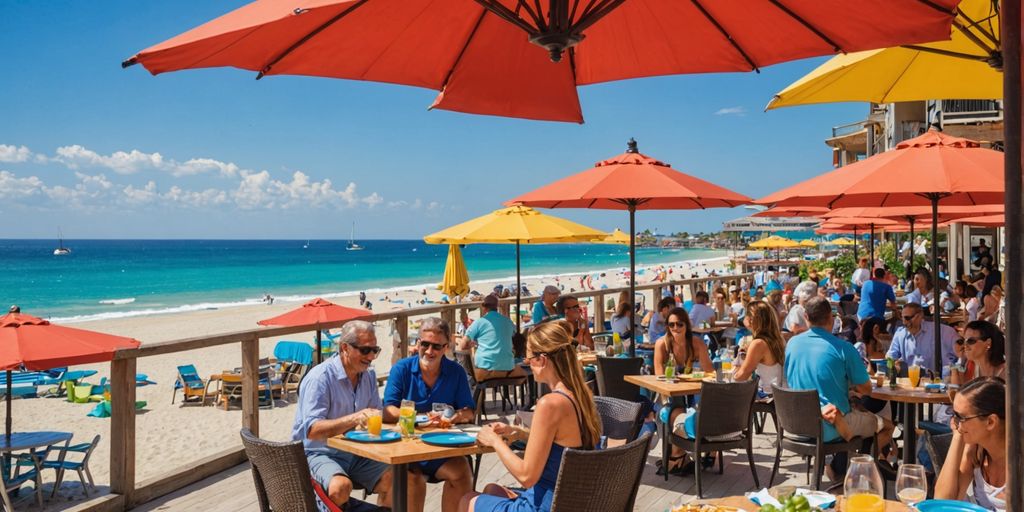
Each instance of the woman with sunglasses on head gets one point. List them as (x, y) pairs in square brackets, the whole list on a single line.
[(976, 459), (564, 418), (984, 348), (767, 349)]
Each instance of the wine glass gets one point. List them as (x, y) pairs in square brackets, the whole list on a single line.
[(911, 484), (863, 486)]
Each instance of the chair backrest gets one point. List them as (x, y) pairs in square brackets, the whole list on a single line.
[(620, 419), (610, 373), (848, 307), (88, 453), (600, 479), (281, 474), (798, 411), (725, 407), (189, 376), (465, 360), (294, 352), (937, 446)]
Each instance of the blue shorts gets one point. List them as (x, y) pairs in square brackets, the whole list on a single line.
[(363, 472), (429, 468)]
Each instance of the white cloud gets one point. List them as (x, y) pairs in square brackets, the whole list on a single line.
[(731, 111), (13, 187), (14, 154), (203, 165), (121, 162)]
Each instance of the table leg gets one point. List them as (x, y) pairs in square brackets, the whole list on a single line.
[(399, 487), (666, 447), (909, 433)]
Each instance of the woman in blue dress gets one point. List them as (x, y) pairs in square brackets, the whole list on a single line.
[(564, 418)]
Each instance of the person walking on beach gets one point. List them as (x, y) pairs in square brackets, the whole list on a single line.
[(335, 397), (544, 309), (429, 378), (492, 335)]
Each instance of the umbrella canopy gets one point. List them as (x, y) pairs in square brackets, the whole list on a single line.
[(456, 277), (792, 211), (967, 66), (480, 57), (808, 243), (842, 242), (617, 237), (913, 213), (774, 242), (632, 181), (985, 220), (36, 344), (317, 311)]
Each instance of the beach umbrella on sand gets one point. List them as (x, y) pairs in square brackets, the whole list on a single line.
[(617, 237), (317, 311), (774, 242), (808, 243), (632, 181), (456, 277), (966, 66), (927, 170), (525, 59), (515, 225), (843, 242), (31, 343)]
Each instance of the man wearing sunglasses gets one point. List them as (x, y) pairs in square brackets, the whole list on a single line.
[(916, 342), (335, 397), (429, 378)]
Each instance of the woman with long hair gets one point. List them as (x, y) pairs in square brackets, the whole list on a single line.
[(767, 350), (976, 458), (874, 340), (984, 348), (623, 312), (564, 418)]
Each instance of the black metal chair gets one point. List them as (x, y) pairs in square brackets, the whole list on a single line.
[(800, 431), (507, 388), (600, 480), (724, 422), (610, 373), (620, 419)]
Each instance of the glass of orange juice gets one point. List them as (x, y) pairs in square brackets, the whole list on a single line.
[(374, 423), (914, 373), (863, 486)]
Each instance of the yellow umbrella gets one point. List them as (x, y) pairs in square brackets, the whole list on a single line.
[(515, 225), (774, 242), (958, 68), (808, 243), (456, 277), (843, 242), (617, 237)]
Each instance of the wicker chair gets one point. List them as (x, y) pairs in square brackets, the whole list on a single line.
[(937, 446), (620, 419), (723, 422), (610, 373), (281, 474), (600, 480), (799, 430)]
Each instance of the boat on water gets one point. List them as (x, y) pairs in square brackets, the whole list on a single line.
[(61, 250), (307, 245), (352, 245)]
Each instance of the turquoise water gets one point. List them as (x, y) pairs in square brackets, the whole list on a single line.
[(117, 278)]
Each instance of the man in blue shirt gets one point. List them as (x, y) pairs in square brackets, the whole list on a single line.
[(544, 309), (335, 397), (492, 334), (815, 359), (873, 297), (915, 341), (429, 378)]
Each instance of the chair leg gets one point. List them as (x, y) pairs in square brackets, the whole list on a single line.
[(81, 478), (666, 449), (750, 459), (819, 468), (721, 463), (7, 499), (89, 475), (698, 471), (778, 457), (56, 482)]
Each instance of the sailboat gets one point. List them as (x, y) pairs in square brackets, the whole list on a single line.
[(307, 245), (352, 245), (61, 250)]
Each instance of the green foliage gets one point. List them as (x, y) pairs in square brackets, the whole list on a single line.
[(844, 265)]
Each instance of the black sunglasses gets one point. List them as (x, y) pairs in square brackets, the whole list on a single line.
[(973, 340), (958, 419), (365, 350), (676, 324), (908, 318), (436, 346)]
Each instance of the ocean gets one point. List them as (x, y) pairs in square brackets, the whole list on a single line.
[(103, 279)]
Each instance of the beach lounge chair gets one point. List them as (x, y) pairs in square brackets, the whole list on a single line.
[(193, 388), (62, 465), (293, 360)]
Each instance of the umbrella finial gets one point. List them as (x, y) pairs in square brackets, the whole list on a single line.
[(631, 146), (15, 309)]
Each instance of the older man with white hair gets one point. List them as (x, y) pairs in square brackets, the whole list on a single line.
[(796, 320)]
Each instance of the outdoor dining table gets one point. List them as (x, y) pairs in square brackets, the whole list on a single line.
[(400, 454), (910, 397), (32, 441), (683, 387), (742, 503)]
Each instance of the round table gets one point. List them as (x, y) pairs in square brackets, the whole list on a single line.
[(911, 397), (742, 503)]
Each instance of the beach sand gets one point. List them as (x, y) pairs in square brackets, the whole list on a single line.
[(171, 436)]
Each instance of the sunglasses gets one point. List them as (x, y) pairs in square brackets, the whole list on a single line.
[(438, 347), (675, 324), (365, 350), (574, 306), (535, 356), (958, 418), (972, 340), (908, 318)]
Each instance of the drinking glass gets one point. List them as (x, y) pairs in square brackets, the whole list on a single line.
[(407, 418), (374, 423), (911, 484), (863, 486)]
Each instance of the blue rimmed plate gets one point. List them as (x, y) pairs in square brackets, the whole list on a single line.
[(451, 438), (362, 436), (948, 506)]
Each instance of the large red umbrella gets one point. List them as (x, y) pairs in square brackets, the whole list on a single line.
[(317, 311), (36, 344), (495, 56), (922, 171), (632, 181), (792, 211)]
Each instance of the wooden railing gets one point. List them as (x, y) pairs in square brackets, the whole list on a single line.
[(126, 493)]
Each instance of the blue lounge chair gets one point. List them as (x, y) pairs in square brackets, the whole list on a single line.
[(293, 360), (194, 389)]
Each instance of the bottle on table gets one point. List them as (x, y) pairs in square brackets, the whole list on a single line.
[(670, 367)]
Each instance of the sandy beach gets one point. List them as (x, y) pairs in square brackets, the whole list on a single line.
[(169, 436)]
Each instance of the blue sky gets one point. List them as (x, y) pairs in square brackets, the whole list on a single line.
[(105, 152)]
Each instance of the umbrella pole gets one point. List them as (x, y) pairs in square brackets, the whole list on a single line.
[(872, 264), (1011, 31), (317, 355), (855, 245), (936, 316), (519, 288), (910, 267), (7, 427), (632, 278)]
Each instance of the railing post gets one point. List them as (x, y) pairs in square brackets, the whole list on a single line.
[(122, 428), (402, 328), (251, 385), (655, 296), (599, 313), (448, 315)]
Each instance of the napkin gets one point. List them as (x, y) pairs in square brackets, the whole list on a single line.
[(814, 498)]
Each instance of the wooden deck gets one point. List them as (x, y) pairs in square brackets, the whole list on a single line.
[(233, 490)]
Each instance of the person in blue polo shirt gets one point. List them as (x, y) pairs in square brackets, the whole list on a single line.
[(874, 295), (428, 378)]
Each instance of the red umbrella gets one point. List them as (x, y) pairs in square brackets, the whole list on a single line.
[(913, 214), (632, 181), (317, 311), (480, 57), (792, 211)]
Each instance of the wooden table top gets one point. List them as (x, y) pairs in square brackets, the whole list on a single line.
[(664, 388), (906, 394), (742, 503), (587, 358), (708, 330), (406, 450)]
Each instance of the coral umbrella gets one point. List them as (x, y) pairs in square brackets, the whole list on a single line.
[(317, 311), (456, 277), (792, 211), (922, 171), (483, 56), (36, 344), (632, 181)]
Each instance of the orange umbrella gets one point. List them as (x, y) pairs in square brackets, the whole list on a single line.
[(632, 181), (858, 223), (995, 221), (913, 214), (480, 57), (317, 311), (792, 211)]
